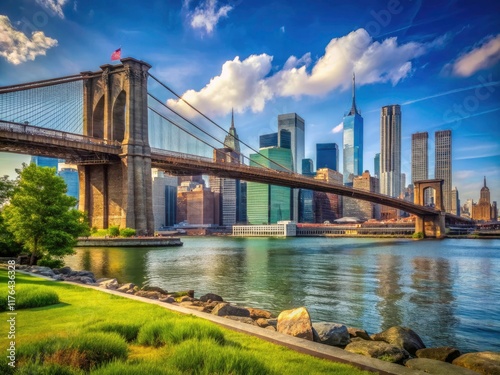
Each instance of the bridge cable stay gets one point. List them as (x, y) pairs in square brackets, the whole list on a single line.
[(200, 129), (218, 126)]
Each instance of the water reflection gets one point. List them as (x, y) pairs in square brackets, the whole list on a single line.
[(447, 291)]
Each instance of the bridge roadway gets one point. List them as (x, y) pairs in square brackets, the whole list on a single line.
[(80, 149)]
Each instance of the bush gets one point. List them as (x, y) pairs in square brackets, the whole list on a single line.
[(417, 235), (50, 262), (114, 231), (128, 331), (127, 232), (174, 331), (122, 368), (30, 297), (206, 357)]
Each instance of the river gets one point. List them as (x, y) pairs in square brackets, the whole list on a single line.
[(448, 291)]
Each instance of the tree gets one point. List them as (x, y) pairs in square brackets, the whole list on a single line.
[(41, 216), (8, 245)]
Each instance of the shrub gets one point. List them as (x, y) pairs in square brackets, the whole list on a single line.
[(151, 334), (417, 235), (128, 331), (114, 231), (127, 232), (50, 262), (30, 297), (122, 368), (205, 357)]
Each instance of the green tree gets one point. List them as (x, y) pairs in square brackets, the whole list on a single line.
[(8, 245), (41, 216)]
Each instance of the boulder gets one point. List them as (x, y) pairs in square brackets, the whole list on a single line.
[(108, 283), (401, 336), (64, 270), (258, 313), (378, 349), (191, 305), (224, 308), (147, 294), (86, 280), (242, 319), (443, 353), (85, 274), (184, 299), (481, 362), (273, 322), (271, 328), (436, 367), (295, 322), (211, 297), (261, 322), (126, 287), (58, 277), (333, 334), (39, 269), (154, 289), (168, 299), (49, 273), (210, 305), (358, 332)]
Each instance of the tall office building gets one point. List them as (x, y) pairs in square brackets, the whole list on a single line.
[(359, 208), (455, 202), (327, 156), (307, 167), (483, 210), (268, 204), (376, 165), (352, 143), (69, 173), (43, 161), (390, 150), (420, 161), (164, 191), (327, 206), (294, 124), (268, 140), (442, 168)]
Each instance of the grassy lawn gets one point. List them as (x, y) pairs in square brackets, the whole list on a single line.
[(89, 331)]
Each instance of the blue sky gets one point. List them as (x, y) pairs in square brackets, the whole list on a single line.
[(440, 60)]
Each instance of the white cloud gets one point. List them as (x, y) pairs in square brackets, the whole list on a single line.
[(207, 15), (485, 55), (17, 48), (248, 83), (338, 128), (53, 6)]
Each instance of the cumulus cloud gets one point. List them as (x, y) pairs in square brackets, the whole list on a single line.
[(54, 6), (484, 56), (338, 128), (249, 83), (207, 15), (17, 48)]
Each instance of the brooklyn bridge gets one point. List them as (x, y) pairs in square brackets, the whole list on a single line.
[(112, 124)]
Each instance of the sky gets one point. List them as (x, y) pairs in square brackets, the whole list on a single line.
[(439, 60)]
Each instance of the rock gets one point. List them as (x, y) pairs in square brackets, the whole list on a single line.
[(444, 353), (400, 336), (154, 289), (273, 322), (261, 322), (271, 328), (184, 299), (85, 274), (150, 295), (64, 270), (192, 306), (126, 287), (58, 277), (40, 269), (108, 283), (86, 280), (358, 332), (332, 334), (481, 362), (436, 367), (296, 322), (168, 299), (258, 313), (134, 290), (378, 349), (242, 319), (211, 297), (224, 308), (49, 273), (210, 306)]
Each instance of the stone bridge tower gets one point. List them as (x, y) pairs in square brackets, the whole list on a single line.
[(432, 225), (115, 109)]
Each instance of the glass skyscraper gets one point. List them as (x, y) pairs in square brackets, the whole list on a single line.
[(442, 168), (390, 150), (268, 140), (376, 165), (268, 204), (327, 156), (353, 140)]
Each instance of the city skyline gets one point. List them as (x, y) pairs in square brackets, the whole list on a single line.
[(267, 59)]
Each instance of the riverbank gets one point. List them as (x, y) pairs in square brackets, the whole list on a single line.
[(395, 345), (129, 242)]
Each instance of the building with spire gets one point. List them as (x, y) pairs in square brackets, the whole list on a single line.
[(227, 190), (483, 210), (352, 142)]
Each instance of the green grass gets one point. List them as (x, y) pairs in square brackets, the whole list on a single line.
[(30, 297), (94, 332)]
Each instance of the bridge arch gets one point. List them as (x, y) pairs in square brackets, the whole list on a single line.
[(119, 116), (97, 126), (430, 226)]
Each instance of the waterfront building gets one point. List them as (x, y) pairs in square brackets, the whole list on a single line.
[(327, 206), (306, 197), (352, 141), (280, 229), (164, 196), (197, 204), (242, 214), (268, 140), (361, 209), (420, 161), (327, 156), (295, 125), (390, 150), (308, 167), (455, 202), (268, 204), (483, 210), (443, 166), (376, 165)]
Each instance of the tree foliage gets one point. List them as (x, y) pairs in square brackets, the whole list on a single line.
[(8, 245), (41, 216)]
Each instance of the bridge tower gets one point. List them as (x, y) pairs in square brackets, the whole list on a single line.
[(431, 225), (115, 109)]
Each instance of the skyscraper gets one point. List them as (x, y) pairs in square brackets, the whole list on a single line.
[(390, 150), (376, 165), (352, 143), (327, 156), (420, 161), (442, 169), (294, 124), (268, 140)]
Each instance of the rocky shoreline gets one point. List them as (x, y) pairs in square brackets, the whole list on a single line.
[(397, 344)]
